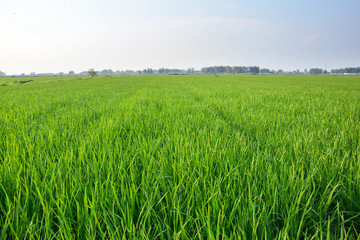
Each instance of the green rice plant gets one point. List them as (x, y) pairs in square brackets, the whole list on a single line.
[(182, 157)]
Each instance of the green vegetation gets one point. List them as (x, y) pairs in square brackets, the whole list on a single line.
[(190, 157), (92, 72)]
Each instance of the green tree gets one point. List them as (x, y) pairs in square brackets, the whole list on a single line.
[(315, 71), (228, 70), (92, 72), (265, 71)]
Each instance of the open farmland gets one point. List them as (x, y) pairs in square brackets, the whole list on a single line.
[(180, 157)]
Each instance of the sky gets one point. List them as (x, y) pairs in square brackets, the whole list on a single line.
[(75, 35)]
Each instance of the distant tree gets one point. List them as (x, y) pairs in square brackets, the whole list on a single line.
[(107, 72), (353, 70), (315, 71), (162, 70), (240, 69), (71, 73), (2, 74), (228, 70), (92, 72), (190, 70), (208, 70), (264, 70), (346, 70), (147, 71), (220, 69), (254, 70), (280, 71)]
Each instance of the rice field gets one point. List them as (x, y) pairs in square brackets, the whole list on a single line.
[(180, 157)]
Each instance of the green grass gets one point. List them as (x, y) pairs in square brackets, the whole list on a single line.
[(180, 157)]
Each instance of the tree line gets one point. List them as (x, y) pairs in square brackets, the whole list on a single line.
[(349, 70), (346, 70), (204, 70), (230, 70)]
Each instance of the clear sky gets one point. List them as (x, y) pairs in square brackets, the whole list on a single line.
[(62, 35)]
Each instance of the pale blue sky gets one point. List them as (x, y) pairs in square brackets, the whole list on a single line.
[(54, 36)]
